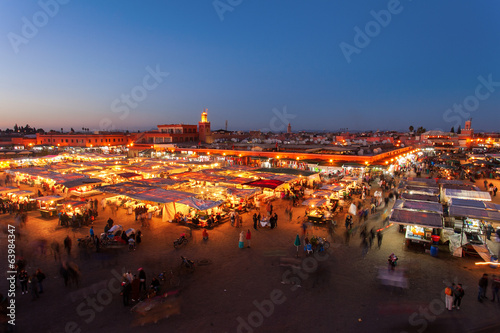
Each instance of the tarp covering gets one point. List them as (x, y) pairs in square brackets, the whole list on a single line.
[(319, 194), (314, 201), (421, 181), (50, 198), (21, 192), (427, 206), (146, 193), (474, 204), (243, 193), (461, 187), (332, 187), (81, 182), (421, 190), (129, 175), (420, 197), (200, 204), (267, 183), (475, 213), (74, 203), (470, 195), (8, 189), (276, 176), (288, 171), (403, 216), (160, 182)]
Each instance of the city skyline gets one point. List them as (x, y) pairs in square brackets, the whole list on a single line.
[(383, 65)]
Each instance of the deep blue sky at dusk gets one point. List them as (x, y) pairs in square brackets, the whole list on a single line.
[(264, 55)]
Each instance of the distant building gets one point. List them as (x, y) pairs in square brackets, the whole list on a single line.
[(289, 129), (98, 139), (167, 134)]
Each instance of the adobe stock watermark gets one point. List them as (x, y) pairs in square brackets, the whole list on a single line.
[(96, 298), (223, 6), (137, 94), (279, 121), (294, 277), (420, 319), (372, 29), (30, 26), (471, 103)]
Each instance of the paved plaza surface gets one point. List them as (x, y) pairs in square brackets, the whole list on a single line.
[(246, 290)]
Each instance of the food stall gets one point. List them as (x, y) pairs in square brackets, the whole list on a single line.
[(48, 205), (419, 225), (317, 210), (469, 225)]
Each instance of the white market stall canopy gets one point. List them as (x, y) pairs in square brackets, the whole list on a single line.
[(314, 202), (243, 193), (420, 197), (333, 188), (474, 204), (426, 206), (200, 204), (422, 190), (8, 189), (145, 193), (50, 198), (468, 195), (474, 213), (424, 219)]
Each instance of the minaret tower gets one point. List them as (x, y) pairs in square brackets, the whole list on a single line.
[(205, 133)]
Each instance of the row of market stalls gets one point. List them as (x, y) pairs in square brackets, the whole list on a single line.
[(455, 211)]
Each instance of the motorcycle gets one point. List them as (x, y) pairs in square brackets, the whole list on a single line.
[(181, 240), (187, 263)]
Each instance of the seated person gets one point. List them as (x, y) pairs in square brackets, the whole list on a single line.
[(155, 285), (195, 220)]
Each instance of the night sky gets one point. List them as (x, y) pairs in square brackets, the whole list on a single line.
[(320, 65)]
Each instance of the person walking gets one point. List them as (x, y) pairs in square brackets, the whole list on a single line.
[(91, 231), (458, 294), (255, 221), (495, 287), (142, 279), (241, 243), (126, 291), (248, 237), (33, 288), (103, 204), (23, 280), (483, 285), (448, 292), (379, 238), (275, 220), (67, 244), (40, 276)]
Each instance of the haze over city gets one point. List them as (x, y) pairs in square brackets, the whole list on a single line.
[(363, 65)]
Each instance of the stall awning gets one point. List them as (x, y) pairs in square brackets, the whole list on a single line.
[(474, 204), (474, 213), (287, 171), (7, 189), (333, 188), (420, 197), (242, 193), (50, 198), (314, 201), (427, 206), (74, 203), (21, 192), (266, 183), (200, 204), (421, 190), (470, 195), (424, 219), (81, 182)]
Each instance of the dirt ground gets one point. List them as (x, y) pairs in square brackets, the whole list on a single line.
[(246, 290)]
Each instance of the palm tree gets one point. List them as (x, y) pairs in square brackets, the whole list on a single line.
[(411, 128)]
